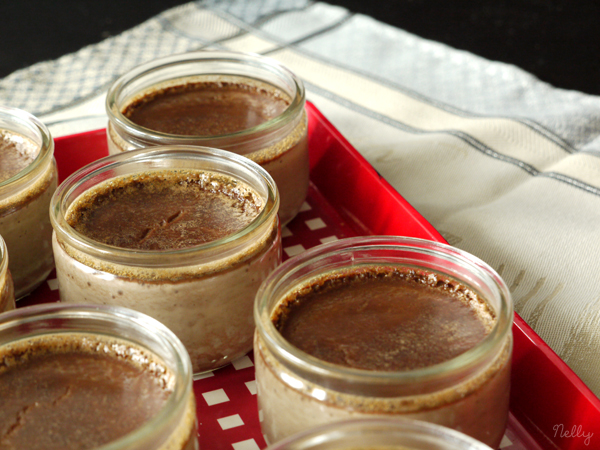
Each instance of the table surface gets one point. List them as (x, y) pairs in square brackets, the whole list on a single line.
[(556, 40)]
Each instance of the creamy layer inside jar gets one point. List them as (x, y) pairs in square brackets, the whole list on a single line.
[(208, 305), (386, 320), (24, 220), (217, 106), (76, 391)]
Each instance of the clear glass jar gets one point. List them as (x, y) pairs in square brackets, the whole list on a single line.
[(280, 145), (469, 392), (204, 293), (24, 201), (7, 291), (128, 338), (382, 434)]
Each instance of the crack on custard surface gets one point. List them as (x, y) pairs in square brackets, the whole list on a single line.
[(164, 210), (207, 108), (384, 318), (77, 391)]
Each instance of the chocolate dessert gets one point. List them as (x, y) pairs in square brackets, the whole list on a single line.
[(379, 341), (24, 201), (206, 108), (165, 210), (16, 153), (185, 245), (384, 319), (77, 392)]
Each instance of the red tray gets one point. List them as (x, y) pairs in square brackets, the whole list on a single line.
[(550, 406)]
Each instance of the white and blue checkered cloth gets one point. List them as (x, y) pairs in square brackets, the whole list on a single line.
[(504, 166)]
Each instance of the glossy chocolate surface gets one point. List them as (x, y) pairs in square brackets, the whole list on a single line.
[(380, 319), (206, 108), (70, 393)]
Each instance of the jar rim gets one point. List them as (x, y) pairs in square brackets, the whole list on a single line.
[(398, 431), (3, 256), (23, 120), (31, 318), (159, 155), (208, 57), (471, 358)]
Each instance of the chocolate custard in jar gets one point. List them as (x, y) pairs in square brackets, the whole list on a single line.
[(28, 178), (384, 327), (183, 234), (85, 377), (379, 434), (244, 103)]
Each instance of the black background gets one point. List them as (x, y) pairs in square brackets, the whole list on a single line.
[(558, 41)]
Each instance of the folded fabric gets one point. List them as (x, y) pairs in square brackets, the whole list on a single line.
[(503, 165)]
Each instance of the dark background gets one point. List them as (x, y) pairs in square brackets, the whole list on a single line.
[(558, 41)]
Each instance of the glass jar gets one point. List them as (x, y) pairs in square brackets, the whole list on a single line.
[(25, 198), (280, 144), (469, 392), (7, 291), (203, 293), (382, 434), (50, 347)]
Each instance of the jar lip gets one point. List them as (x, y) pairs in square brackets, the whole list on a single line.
[(3, 256), (113, 109), (402, 427), (30, 315), (159, 154), (267, 330), (36, 126)]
